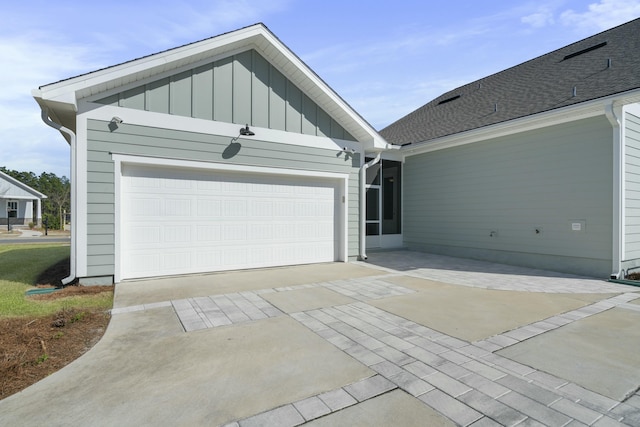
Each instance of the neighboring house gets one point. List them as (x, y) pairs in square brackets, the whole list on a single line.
[(19, 203), (537, 165), (231, 153)]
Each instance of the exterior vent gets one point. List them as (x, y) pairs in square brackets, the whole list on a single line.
[(580, 52), (453, 98)]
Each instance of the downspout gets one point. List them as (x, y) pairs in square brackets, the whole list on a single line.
[(618, 193), (363, 205), (74, 211)]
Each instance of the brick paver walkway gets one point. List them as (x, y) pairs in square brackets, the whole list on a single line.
[(464, 381)]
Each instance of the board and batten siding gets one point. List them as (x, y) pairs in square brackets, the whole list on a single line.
[(487, 199), (243, 89), (632, 189), (166, 143)]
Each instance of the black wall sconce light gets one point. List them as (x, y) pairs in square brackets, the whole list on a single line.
[(234, 146), (245, 131), (114, 122)]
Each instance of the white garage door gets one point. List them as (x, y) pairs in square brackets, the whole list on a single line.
[(179, 221)]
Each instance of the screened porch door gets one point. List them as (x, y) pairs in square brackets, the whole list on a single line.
[(384, 205)]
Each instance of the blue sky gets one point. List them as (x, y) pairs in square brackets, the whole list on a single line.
[(385, 58)]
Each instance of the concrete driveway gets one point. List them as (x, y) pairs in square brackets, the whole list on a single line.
[(405, 339)]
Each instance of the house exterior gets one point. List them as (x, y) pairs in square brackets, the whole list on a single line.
[(227, 153), (537, 165), (230, 153), (19, 203)]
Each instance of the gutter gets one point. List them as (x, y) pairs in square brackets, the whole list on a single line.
[(363, 205), (618, 192), (72, 142)]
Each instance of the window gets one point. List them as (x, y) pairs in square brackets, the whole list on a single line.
[(12, 209)]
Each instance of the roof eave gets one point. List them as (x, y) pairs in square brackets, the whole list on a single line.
[(22, 185), (583, 110)]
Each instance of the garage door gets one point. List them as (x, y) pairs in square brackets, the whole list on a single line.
[(180, 221)]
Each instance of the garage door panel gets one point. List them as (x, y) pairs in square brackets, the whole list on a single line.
[(177, 234), (207, 258), (146, 236), (208, 233), (178, 221), (140, 263), (209, 207), (175, 260)]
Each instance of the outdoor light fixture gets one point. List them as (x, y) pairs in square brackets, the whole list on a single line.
[(245, 131), (115, 119)]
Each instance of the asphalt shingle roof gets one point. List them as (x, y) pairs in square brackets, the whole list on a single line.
[(601, 65)]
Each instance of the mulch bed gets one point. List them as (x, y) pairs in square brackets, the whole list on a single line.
[(32, 348), (633, 276)]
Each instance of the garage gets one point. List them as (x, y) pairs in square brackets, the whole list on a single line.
[(185, 220)]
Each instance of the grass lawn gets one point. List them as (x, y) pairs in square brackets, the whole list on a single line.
[(20, 266)]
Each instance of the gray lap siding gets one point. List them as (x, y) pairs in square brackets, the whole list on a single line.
[(486, 200), (632, 192), (147, 141)]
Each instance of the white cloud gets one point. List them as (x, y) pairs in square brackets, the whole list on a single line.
[(357, 55), (539, 19), (170, 26), (28, 62), (31, 60), (602, 15)]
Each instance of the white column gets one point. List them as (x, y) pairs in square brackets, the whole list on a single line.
[(38, 219)]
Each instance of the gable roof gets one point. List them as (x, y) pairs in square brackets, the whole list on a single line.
[(605, 64), (60, 99), (15, 189)]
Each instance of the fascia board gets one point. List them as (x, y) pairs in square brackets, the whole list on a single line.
[(536, 121)]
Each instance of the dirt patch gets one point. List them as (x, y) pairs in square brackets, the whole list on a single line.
[(70, 291), (32, 348)]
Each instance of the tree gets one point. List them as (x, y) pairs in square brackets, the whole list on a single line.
[(58, 192)]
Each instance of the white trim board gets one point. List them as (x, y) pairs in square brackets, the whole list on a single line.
[(91, 111)]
